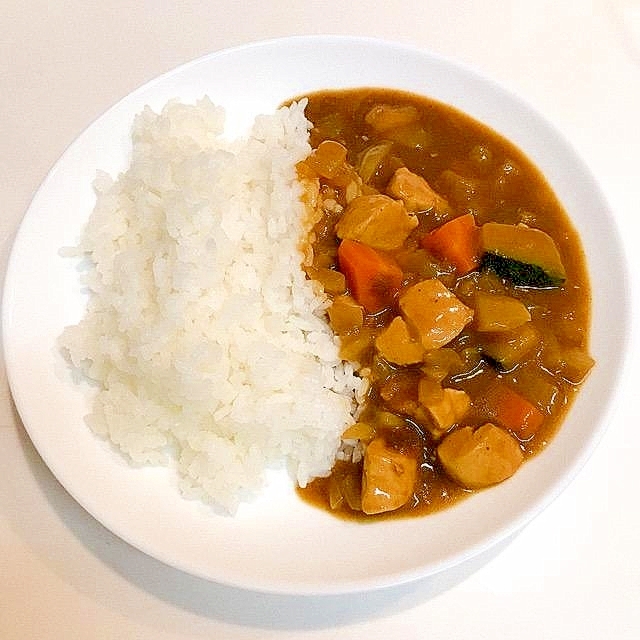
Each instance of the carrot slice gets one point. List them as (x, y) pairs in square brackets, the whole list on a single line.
[(512, 411), (457, 241), (373, 278)]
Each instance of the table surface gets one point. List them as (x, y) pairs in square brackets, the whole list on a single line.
[(574, 572)]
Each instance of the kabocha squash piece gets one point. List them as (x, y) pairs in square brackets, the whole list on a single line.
[(396, 344), (457, 241), (434, 313), (388, 478), (480, 458), (377, 221), (414, 191), (495, 312), (525, 256), (373, 278)]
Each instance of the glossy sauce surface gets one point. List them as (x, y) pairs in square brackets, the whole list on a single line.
[(474, 171)]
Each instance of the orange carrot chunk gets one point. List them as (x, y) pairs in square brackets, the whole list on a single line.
[(373, 278), (457, 241), (514, 412)]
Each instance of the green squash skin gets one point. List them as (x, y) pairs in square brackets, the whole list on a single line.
[(520, 274)]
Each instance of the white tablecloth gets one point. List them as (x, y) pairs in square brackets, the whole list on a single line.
[(572, 573)]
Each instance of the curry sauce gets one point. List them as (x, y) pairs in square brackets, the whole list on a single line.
[(458, 289)]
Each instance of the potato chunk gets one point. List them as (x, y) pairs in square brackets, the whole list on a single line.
[(434, 313), (396, 345), (345, 315), (415, 192), (383, 117), (494, 312), (388, 478), (480, 458), (377, 221), (446, 408)]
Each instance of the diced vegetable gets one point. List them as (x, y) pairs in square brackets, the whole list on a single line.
[(525, 256), (480, 458), (373, 278), (376, 220), (357, 346), (383, 117), (434, 313), (336, 497), (576, 364), (437, 364), (345, 315), (332, 281), (494, 312), (371, 159), (457, 241), (513, 411), (400, 394), (430, 391), (388, 420), (388, 478), (412, 135), (572, 363), (541, 387), (420, 263), (414, 191), (464, 193), (328, 159), (351, 487), (396, 344), (359, 431), (446, 410), (509, 348)]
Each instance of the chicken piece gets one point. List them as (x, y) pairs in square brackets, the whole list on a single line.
[(434, 313), (388, 478), (395, 344), (446, 408), (377, 221), (415, 192), (480, 458)]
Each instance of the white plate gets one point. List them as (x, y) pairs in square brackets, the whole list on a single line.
[(279, 543)]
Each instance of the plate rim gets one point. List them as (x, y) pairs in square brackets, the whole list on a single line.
[(273, 585)]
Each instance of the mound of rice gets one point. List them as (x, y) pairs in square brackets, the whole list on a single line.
[(206, 341)]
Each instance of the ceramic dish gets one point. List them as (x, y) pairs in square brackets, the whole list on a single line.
[(279, 543)]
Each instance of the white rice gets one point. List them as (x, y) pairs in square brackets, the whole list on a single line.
[(206, 341)]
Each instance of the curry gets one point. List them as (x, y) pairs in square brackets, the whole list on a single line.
[(458, 289)]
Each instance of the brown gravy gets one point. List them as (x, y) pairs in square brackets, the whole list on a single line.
[(477, 171)]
